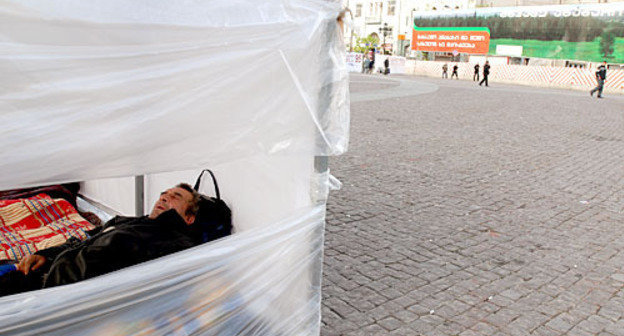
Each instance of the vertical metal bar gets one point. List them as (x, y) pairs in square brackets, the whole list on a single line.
[(139, 195), (320, 164), (319, 187)]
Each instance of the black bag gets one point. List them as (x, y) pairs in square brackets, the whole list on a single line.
[(214, 218)]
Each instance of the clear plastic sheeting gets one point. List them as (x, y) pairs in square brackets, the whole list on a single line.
[(235, 286), (101, 91), (111, 88), (334, 183)]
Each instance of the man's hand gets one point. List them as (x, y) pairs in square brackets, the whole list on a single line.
[(32, 262)]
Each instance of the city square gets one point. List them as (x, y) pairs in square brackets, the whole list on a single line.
[(312, 167), (468, 210)]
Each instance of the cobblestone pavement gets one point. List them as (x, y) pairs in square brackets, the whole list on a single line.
[(468, 210)]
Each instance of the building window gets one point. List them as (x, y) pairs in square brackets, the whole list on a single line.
[(358, 10), (375, 9), (391, 6)]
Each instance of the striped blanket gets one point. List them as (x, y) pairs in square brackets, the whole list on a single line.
[(31, 224)]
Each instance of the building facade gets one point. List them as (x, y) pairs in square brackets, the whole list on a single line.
[(512, 3), (391, 21)]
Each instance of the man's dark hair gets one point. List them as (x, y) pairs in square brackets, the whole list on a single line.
[(194, 203)]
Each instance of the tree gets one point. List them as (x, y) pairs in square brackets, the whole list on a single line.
[(607, 39), (364, 44)]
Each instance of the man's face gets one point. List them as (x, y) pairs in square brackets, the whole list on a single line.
[(174, 198)]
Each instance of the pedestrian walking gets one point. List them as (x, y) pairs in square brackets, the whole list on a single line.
[(455, 67), (365, 64), (475, 77), (371, 65), (445, 71), (386, 66), (486, 73), (601, 77)]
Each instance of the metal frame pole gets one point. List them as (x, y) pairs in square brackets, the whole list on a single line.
[(139, 195)]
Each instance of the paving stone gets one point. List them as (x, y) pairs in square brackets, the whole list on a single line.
[(465, 320), (373, 330), (544, 331), (406, 316), (446, 329), (618, 277), (616, 329), (512, 294), (576, 331), (422, 326), (502, 317), (611, 314), (390, 323), (594, 324), (528, 322), (484, 328), (604, 333)]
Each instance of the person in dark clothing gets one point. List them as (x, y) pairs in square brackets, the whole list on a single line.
[(386, 66), (121, 242), (455, 67), (486, 73), (601, 77), (365, 64), (475, 77)]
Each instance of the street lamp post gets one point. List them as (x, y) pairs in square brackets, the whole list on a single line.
[(385, 31)]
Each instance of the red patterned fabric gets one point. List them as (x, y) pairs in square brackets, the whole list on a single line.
[(30, 224)]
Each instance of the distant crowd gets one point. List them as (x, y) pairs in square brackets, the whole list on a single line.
[(601, 75), (475, 76), (368, 64)]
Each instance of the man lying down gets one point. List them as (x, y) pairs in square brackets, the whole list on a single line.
[(121, 242)]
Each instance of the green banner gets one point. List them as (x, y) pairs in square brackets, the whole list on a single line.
[(452, 29)]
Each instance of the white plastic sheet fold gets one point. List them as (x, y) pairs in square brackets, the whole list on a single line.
[(110, 88), (235, 286)]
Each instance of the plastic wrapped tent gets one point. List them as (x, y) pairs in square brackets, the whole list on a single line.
[(103, 91)]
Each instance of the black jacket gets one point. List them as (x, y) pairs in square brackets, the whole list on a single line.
[(601, 73), (486, 69), (121, 242)]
